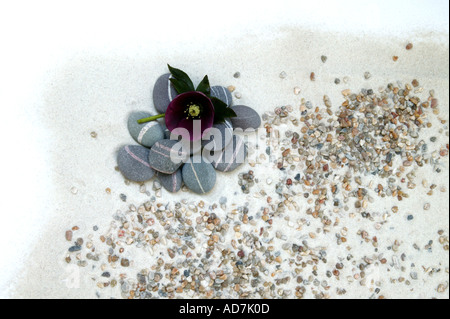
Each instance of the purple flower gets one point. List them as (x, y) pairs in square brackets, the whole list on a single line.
[(190, 114)]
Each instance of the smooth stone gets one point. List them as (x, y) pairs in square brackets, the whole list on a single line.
[(199, 175), (133, 163), (222, 94), (247, 118), (145, 134), (166, 131), (171, 182), (163, 93), (218, 137), (193, 147), (166, 156), (231, 157)]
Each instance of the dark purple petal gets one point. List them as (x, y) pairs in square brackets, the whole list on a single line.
[(183, 129), (176, 116)]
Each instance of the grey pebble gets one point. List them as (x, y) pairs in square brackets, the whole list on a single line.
[(156, 185), (125, 287), (199, 175), (163, 93), (222, 94), (247, 118), (171, 182), (231, 157), (194, 147), (132, 161), (166, 131), (145, 134), (74, 248), (218, 137), (166, 157), (92, 257)]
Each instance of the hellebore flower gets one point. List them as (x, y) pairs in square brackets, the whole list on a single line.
[(192, 111)]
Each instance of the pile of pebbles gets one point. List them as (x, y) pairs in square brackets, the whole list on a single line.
[(247, 181), (371, 136), (158, 154)]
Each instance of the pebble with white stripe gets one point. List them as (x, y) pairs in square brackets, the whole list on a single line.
[(231, 157), (199, 175), (171, 182), (145, 134), (163, 93), (133, 163), (166, 156), (218, 136)]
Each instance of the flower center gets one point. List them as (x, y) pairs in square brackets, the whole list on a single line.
[(192, 110)]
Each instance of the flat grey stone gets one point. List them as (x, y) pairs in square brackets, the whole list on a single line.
[(133, 163), (171, 182), (199, 175), (222, 94), (166, 156), (231, 157), (166, 131), (247, 118), (193, 147), (163, 93), (145, 134), (218, 136)]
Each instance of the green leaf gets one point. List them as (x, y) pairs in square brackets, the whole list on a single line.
[(221, 111), (183, 78), (204, 87), (180, 86), (230, 113)]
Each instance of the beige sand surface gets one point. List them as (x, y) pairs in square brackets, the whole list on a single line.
[(95, 92)]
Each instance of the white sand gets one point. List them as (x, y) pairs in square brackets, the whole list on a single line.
[(72, 83)]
